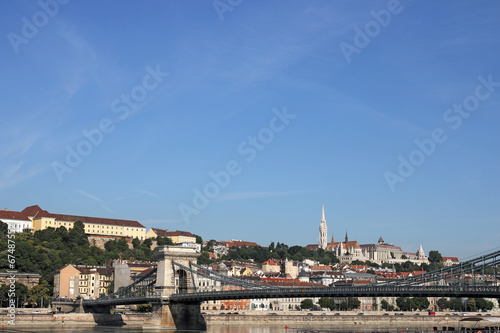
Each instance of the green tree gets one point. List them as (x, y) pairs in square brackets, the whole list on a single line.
[(435, 256), (164, 241), (327, 303), (210, 245), (421, 303), (353, 303), (472, 304), (443, 304), (306, 304), (373, 264), (38, 293), (147, 243), (77, 236), (136, 242), (204, 259), (199, 240), (386, 306), (483, 304), (456, 304), (404, 303), (4, 229)]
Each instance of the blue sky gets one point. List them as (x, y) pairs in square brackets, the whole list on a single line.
[(293, 104)]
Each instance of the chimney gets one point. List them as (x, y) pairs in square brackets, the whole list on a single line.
[(5, 209)]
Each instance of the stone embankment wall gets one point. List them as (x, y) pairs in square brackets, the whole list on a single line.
[(73, 319), (292, 320), (407, 321)]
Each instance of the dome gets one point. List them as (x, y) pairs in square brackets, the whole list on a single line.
[(303, 273)]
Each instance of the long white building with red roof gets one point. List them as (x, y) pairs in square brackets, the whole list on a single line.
[(34, 218)]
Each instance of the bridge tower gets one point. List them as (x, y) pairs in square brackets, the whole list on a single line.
[(171, 280)]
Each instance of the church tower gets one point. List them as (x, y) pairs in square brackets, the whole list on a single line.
[(420, 253), (323, 232)]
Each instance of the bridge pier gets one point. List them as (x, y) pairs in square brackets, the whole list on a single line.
[(178, 316), (172, 280)]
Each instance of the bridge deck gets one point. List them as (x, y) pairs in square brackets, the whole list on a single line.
[(368, 291)]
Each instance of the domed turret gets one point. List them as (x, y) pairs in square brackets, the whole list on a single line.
[(303, 276)]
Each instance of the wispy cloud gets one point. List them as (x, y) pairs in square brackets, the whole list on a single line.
[(88, 195), (13, 175), (151, 194), (107, 208)]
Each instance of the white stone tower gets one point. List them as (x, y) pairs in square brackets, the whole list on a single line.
[(420, 253), (323, 231)]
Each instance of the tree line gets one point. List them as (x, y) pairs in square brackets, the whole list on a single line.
[(280, 251)]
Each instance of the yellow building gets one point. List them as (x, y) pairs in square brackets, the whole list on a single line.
[(82, 281), (176, 236), (66, 282), (93, 225)]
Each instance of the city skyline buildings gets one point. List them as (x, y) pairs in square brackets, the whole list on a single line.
[(33, 218)]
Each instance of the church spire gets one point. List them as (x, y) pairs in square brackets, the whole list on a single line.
[(346, 238), (323, 231)]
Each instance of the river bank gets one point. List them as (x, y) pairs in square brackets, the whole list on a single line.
[(344, 321)]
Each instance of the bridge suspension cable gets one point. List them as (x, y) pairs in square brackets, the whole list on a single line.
[(210, 274), (144, 285), (455, 271)]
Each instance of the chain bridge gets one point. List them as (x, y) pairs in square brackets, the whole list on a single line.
[(172, 287)]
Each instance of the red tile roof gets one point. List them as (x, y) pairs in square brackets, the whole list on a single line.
[(239, 243), (178, 233), (452, 259), (270, 262), (91, 270), (99, 220), (289, 282), (159, 232), (11, 215), (320, 268), (362, 282), (36, 211), (166, 233)]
